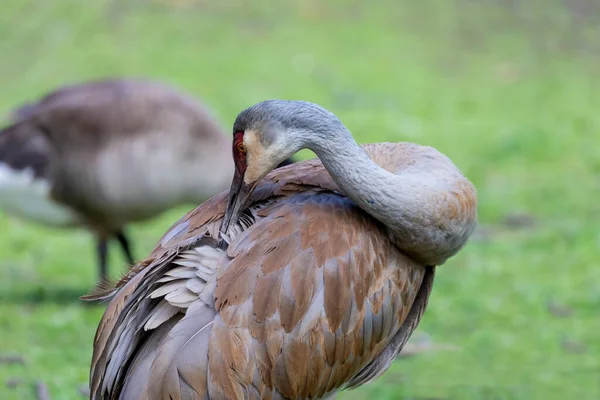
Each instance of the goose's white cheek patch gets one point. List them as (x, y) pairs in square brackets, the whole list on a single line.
[(22, 195)]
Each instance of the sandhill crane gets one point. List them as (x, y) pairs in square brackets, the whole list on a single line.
[(295, 283), (79, 157)]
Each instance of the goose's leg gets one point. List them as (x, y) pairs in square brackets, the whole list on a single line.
[(125, 246), (102, 250)]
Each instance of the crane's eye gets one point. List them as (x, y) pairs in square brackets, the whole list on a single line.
[(241, 148)]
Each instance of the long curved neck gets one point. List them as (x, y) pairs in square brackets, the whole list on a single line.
[(374, 189), (414, 206)]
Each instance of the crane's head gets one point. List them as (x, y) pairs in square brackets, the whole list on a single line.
[(265, 135)]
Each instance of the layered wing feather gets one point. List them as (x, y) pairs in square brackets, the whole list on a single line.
[(310, 297), (312, 294)]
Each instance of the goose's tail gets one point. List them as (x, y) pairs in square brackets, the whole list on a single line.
[(25, 176)]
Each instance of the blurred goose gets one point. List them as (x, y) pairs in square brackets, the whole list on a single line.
[(107, 153), (295, 283)]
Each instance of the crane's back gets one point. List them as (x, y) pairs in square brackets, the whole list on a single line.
[(310, 295)]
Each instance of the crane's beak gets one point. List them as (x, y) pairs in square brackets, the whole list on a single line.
[(238, 196)]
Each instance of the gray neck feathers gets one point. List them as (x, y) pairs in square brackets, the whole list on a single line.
[(408, 204), (371, 187)]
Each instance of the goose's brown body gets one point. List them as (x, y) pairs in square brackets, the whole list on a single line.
[(107, 153), (311, 296), (89, 142)]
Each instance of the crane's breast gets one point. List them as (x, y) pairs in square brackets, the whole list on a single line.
[(313, 292)]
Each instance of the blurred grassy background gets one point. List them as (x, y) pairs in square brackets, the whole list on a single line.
[(509, 89)]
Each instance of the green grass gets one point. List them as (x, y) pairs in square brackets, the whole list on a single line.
[(512, 95)]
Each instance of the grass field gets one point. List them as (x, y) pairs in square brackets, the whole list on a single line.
[(511, 92)]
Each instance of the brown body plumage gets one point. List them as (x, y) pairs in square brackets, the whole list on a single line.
[(310, 296)]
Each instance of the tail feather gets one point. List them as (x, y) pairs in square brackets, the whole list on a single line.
[(25, 177), (103, 291), (23, 146)]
